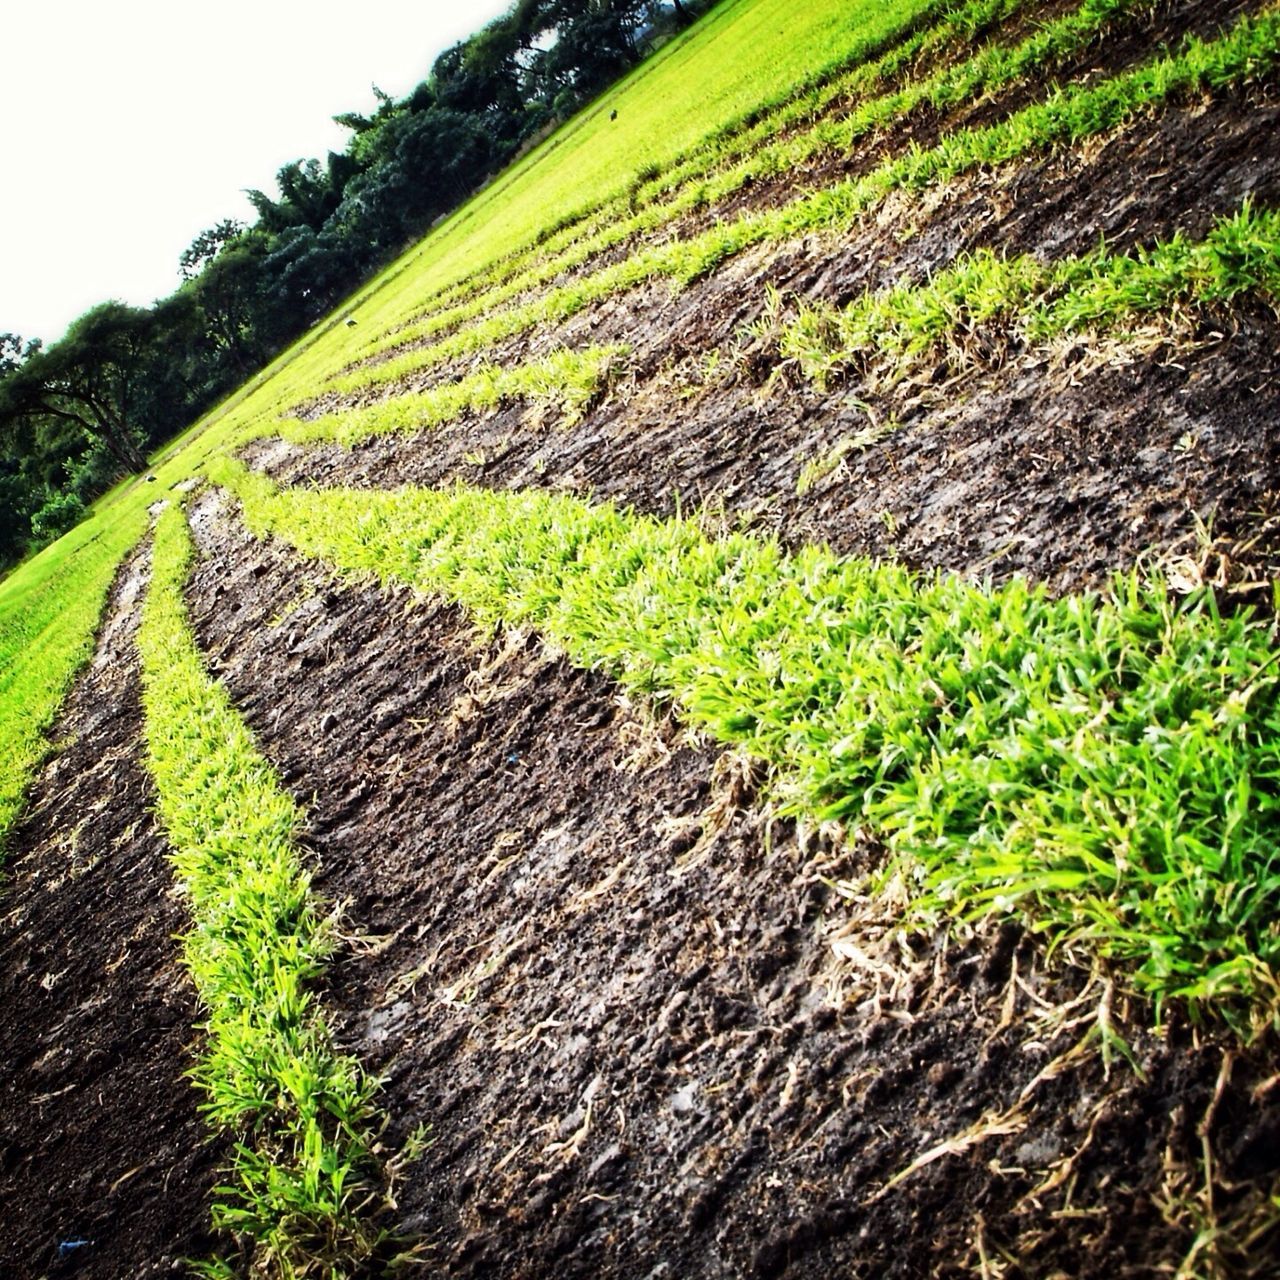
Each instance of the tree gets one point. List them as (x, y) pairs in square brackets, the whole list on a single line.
[(87, 379), (206, 247)]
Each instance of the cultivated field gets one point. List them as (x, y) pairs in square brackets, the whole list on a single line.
[(721, 718)]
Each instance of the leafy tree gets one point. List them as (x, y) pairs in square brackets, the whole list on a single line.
[(206, 247), (89, 379)]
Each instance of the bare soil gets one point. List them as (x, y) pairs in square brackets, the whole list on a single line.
[(648, 1031), (1063, 463), (614, 990)]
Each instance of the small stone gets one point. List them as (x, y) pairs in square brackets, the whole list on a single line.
[(328, 722)]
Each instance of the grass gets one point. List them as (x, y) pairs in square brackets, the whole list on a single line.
[(588, 233), (303, 1115), (1036, 301), (1105, 766), (564, 381), (990, 69), (1068, 116), (49, 611)]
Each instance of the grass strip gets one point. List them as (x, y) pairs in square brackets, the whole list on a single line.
[(1068, 116), (588, 232), (989, 70), (303, 1113), (565, 381), (1097, 291), (1106, 766)]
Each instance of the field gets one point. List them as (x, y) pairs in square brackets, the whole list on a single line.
[(720, 718)]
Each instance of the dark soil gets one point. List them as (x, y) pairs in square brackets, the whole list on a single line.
[(105, 1170), (616, 993), (647, 1031)]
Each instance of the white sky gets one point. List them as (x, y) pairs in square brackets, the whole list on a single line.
[(130, 126)]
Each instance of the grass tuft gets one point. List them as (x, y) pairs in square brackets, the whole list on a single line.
[(303, 1175)]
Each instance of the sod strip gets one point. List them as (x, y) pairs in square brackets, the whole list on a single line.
[(1105, 766), (303, 1114), (990, 70), (877, 30), (593, 231), (566, 381), (1095, 292), (1250, 50)]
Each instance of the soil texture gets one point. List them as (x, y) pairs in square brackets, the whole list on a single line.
[(641, 1026), (1061, 463)]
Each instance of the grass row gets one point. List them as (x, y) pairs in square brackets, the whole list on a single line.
[(1095, 291), (740, 55), (588, 233), (303, 1113), (1107, 766), (991, 69), (1068, 116), (565, 381)]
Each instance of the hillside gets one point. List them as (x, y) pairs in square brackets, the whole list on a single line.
[(718, 719)]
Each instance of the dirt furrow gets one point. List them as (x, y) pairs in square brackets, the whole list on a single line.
[(979, 469)]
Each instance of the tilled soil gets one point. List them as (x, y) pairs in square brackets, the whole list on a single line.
[(633, 1013), (646, 1031), (1062, 463), (105, 1169)]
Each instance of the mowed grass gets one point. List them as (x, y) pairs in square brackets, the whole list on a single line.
[(710, 178), (1068, 116), (1106, 767)]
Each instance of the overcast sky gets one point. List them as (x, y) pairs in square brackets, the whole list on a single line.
[(130, 126)]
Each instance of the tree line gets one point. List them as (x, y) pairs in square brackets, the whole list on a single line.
[(80, 414)]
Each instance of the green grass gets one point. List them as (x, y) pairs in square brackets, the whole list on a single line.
[(990, 69), (719, 72), (49, 611), (564, 382), (1105, 766), (1035, 300), (303, 1115), (587, 233), (1068, 116)]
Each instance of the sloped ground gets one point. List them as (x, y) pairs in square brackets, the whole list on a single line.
[(613, 990), (1062, 464), (647, 1032)]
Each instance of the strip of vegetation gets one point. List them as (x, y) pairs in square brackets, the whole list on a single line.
[(1107, 766), (1097, 291), (993, 68), (49, 612), (1070, 115), (586, 233), (303, 1113), (565, 381)]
